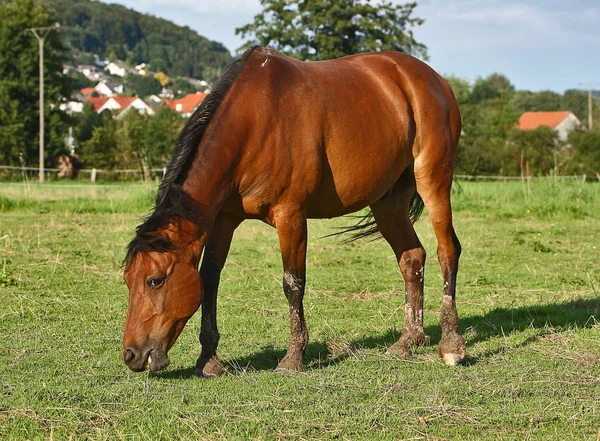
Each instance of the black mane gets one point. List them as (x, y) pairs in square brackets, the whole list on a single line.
[(190, 136), (173, 204)]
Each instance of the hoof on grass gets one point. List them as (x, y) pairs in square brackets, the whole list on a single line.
[(287, 365), (212, 368), (452, 349), (452, 359), (408, 339), (399, 349)]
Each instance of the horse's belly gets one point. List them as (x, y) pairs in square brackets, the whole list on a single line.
[(349, 185)]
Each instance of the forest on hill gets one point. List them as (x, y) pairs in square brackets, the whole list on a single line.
[(116, 32)]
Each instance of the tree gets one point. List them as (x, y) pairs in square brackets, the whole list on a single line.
[(494, 86), (100, 150), (19, 86), (141, 85), (577, 102), (586, 151), (181, 87), (325, 29), (461, 89), (538, 148)]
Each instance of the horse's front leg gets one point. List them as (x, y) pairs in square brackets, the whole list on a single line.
[(215, 254), (292, 231)]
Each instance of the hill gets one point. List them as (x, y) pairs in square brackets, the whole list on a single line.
[(116, 32)]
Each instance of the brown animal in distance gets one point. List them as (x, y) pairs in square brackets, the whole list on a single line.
[(282, 141)]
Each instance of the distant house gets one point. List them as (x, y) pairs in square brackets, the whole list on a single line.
[(142, 69), (116, 68), (120, 105), (563, 122), (195, 82), (186, 105), (89, 71), (108, 89), (154, 99), (71, 107), (87, 91)]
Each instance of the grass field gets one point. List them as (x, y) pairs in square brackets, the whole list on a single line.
[(528, 298)]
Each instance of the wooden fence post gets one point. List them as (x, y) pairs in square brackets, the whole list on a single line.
[(93, 175)]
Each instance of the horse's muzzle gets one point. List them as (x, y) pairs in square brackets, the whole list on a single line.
[(153, 359)]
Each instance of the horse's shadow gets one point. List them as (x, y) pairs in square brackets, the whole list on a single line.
[(495, 323)]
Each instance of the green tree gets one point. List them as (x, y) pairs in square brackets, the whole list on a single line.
[(461, 89), (181, 87), (539, 150), (487, 118), (85, 123), (325, 29), (141, 85), (494, 86), (577, 102), (19, 86), (100, 150), (585, 151)]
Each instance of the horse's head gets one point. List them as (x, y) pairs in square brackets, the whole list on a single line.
[(165, 290)]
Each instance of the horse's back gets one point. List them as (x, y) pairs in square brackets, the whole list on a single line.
[(345, 129)]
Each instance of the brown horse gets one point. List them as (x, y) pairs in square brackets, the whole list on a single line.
[(281, 141)]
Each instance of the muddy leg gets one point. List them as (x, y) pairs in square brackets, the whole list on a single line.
[(215, 254), (391, 215), (292, 232), (436, 195)]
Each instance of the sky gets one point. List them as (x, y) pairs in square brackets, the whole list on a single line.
[(537, 44)]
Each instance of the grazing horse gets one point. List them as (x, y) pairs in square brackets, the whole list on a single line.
[(282, 141)]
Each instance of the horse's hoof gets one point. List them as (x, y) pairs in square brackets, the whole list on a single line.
[(409, 338), (287, 365), (452, 359), (452, 349), (213, 368), (399, 349)]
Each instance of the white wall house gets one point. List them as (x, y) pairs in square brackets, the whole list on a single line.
[(71, 107), (566, 126), (116, 68), (120, 105)]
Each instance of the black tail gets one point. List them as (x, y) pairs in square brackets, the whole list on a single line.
[(366, 227)]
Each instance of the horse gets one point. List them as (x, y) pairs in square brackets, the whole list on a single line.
[(281, 141)]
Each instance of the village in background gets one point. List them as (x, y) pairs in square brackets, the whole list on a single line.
[(120, 86)]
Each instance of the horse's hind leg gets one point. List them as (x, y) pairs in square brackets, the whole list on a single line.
[(392, 217), (434, 180), (292, 231), (215, 254)]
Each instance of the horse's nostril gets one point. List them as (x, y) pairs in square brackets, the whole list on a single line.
[(128, 355)]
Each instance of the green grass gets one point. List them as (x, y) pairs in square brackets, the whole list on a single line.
[(528, 298)]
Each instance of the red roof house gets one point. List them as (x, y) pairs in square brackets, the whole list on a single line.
[(120, 104), (187, 104), (98, 102), (563, 122), (87, 91)]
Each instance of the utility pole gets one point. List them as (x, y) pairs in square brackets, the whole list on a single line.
[(41, 34), (590, 103), (590, 108)]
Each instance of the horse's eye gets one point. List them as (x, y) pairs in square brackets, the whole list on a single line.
[(155, 282)]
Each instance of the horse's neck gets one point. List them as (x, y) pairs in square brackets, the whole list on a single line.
[(210, 178)]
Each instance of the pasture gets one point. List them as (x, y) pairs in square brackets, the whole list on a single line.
[(528, 297)]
